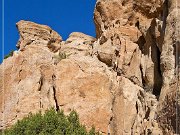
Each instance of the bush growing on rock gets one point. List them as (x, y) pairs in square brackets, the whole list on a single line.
[(60, 56), (50, 123), (9, 55)]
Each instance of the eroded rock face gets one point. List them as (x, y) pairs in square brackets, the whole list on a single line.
[(27, 82), (84, 84), (170, 49), (170, 68), (32, 33), (122, 82), (78, 43), (115, 13), (130, 39), (134, 110)]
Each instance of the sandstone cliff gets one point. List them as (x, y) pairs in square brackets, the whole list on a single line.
[(123, 82)]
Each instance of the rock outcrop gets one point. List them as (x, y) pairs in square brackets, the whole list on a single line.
[(123, 82), (129, 30), (32, 33)]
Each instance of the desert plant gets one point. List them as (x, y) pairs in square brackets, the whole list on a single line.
[(50, 123), (9, 55), (60, 56), (63, 55)]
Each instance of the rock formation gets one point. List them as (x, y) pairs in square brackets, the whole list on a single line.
[(123, 82)]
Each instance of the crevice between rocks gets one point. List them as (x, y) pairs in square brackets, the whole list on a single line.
[(155, 57), (164, 16), (158, 81), (55, 99), (112, 118), (40, 83)]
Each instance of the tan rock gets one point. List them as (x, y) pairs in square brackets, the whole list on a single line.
[(33, 33), (84, 84), (151, 7), (34, 83), (78, 43), (115, 13), (28, 84), (169, 54), (118, 24), (133, 109)]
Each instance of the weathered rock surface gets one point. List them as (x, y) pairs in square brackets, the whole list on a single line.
[(27, 83), (123, 81), (84, 84), (169, 103), (78, 43), (170, 49), (32, 33), (134, 110), (128, 39)]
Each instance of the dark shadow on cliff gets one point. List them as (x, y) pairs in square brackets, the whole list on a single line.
[(150, 47)]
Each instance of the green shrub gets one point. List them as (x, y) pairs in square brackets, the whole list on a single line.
[(51, 123), (61, 55), (9, 55)]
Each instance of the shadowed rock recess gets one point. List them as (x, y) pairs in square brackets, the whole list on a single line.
[(124, 81)]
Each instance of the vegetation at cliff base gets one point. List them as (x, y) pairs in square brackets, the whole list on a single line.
[(50, 123)]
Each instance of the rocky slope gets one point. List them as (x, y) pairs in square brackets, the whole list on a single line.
[(123, 82)]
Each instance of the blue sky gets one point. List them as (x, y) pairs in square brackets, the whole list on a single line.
[(64, 16)]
